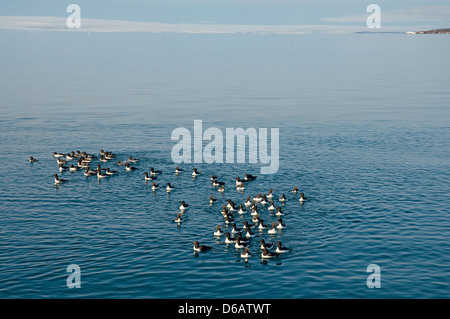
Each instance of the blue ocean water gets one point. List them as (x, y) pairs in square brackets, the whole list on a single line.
[(364, 125)]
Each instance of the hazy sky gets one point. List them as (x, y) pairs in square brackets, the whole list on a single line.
[(435, 13)]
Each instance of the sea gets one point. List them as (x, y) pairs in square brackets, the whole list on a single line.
[(364, 131)]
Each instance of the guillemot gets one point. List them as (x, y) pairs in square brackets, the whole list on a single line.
[(262, 225), (73, 168), (267, 254), (239, 182), (169, 188), (89, 172), (132, 160), (229, 239), (99, 173), (198, 248), (110, 172), (280, 249), (224, 210), (179, 219), (280, 225), (231, 205), (148, 178), (228, 219), (59, 180), (103, 159), (263, 200), (195, 172), (246, 253), (265, 245), (302, 197), (129, 168), (247, 225), (279, 212), (242, 239), (240, 244), (258, 198), (82, 164), (249, 177), (273, 230), (178, 170), (217, 183), (109, 156), (249, 233), (60, 161), (218, 231), (241, 210), (183, 206), (235, 229), (154, 172), (62, 168), (212, 199)]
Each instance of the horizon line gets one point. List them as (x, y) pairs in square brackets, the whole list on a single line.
[(52, 23)]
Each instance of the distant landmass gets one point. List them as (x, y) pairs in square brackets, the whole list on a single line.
[(437, 31)]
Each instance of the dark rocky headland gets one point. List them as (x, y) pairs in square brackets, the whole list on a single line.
[(437, 31)]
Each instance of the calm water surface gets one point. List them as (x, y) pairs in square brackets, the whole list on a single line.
[(364, 126)]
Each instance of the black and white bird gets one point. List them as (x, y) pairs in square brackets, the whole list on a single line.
[(198, 248), (178, 170), (280, 249), (246, 253), (59, 180), (183, 206), (302, 197), (179, 219), (110, 172), (132, 160), (240, 244), (229, 239), (268, 254), (129, 168), (265, 245), (218, 231), (154, 172), (169, 188), (212, 199)]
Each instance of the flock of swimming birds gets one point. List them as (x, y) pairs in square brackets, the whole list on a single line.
[(254, 205)]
